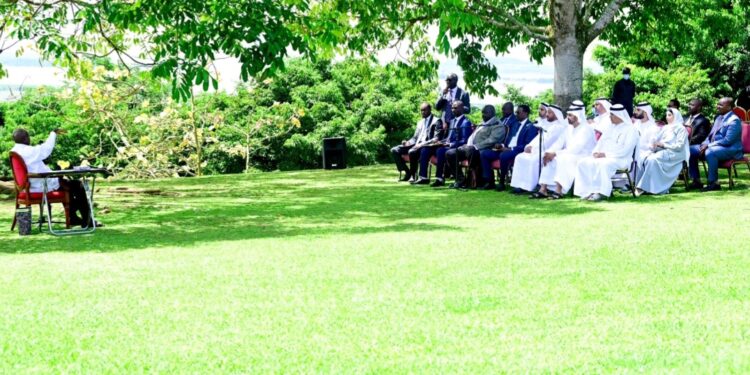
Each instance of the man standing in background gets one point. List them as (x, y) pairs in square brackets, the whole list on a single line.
[(450, 94), (624, 91)]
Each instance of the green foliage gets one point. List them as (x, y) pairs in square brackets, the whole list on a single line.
[(656, 85), (513, 94), (128, 123), (713, 34), (42, 110)]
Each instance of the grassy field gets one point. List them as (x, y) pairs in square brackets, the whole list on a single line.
[(349, 271)]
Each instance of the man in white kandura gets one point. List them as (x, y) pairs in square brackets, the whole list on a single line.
[(614, 151), (526, 165), (601, 122), (561, 160), (668, 151), (647, 130)]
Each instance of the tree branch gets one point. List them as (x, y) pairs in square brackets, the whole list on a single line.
[(512, 23), (604, 20)]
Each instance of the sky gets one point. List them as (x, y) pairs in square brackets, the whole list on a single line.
[(515, 67)]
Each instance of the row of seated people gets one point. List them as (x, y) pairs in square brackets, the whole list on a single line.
[(573, 152)]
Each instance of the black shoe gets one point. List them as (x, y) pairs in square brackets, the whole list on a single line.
[(487, 186), (500, 187), (406, 177), (458, 185), (695, 185), (518, 191), (438, 183), (711, 187), (421, 181)]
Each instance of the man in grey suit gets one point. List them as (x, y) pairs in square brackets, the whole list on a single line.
[(423, 133), (490, 132), (450, 94)]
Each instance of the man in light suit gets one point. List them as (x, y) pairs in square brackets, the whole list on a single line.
[(724, 142), (450, 94), (487, 134), (422, 133), (520, 133)]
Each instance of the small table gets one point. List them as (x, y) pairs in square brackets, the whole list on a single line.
[(84, 174)]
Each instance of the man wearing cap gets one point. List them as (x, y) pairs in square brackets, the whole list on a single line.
[(526, 165), (561, 159), (613, 151), (450, 94), (624, 91)]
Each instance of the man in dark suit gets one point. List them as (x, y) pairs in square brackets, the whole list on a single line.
[(724, 142), (624, 91), (459, 132), (697, 122), (450, 94), (454, 136), (487, 134), (520, 133), (423, 132)]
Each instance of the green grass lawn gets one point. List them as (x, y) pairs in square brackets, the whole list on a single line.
[(349, 271)]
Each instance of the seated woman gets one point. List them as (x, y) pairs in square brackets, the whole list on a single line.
[(669, 149)]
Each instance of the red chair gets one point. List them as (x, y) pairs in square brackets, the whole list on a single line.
[(741, 113), (27, 198), (731, 165), (496, 166)]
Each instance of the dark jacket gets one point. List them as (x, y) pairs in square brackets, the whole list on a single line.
[(623, 93), (528, 132), (444, 105), (701, 127)]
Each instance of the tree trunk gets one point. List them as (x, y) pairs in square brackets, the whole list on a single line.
[(568, 53), (568, 72)]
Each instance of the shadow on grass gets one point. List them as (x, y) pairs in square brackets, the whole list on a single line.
[(278, 205)]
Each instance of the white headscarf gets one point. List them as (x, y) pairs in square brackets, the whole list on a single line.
[(678, 120), (646, 107), (579, 112), (606, 103), (557, 111), (619, 111), (577, 103), (542, 120)]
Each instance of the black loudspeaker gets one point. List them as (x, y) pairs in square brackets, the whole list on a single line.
[(334, 153)]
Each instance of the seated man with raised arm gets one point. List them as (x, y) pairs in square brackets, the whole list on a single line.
[(34, 157)]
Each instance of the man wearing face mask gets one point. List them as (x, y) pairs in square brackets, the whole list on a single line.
[(624, 91)]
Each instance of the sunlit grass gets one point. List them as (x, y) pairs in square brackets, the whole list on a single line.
[(349, 271)]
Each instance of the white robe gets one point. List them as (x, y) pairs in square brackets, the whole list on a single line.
[(662, 166), (648, 132), (526, 164), (34, 157), (575, 144), (602, 122), (594, 175)]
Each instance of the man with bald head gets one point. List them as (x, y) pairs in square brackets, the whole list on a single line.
[(34, 156), (724, 142), (487, 134), (450, 94)]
